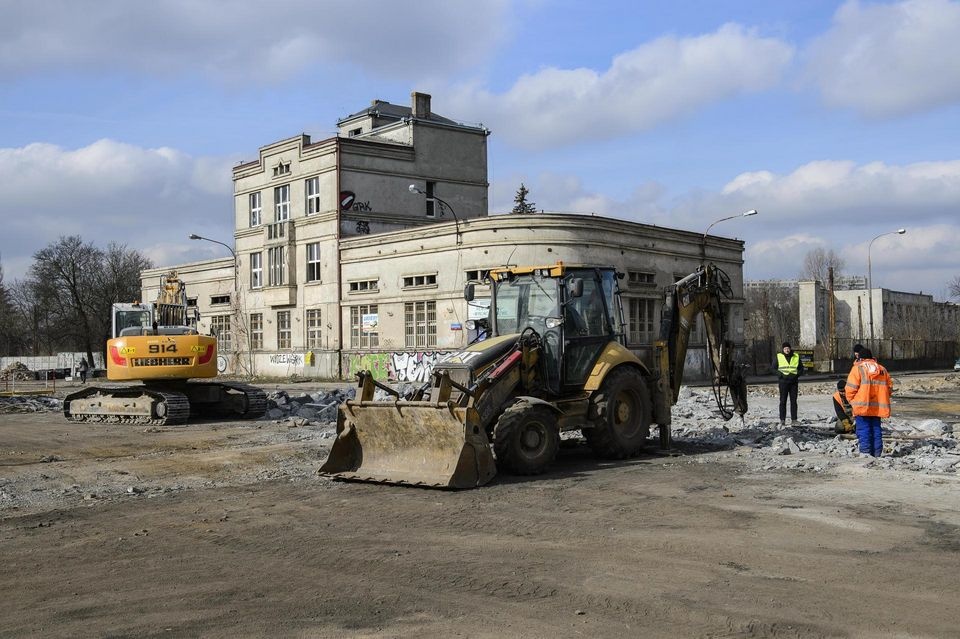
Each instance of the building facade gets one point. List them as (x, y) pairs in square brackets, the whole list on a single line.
[(342, 266)]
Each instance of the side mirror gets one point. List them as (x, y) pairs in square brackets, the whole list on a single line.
[(468, 292), (575, 288)]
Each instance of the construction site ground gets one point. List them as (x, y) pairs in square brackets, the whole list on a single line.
[(223, 529)]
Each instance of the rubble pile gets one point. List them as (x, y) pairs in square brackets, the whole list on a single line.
[(31, 404), (319, 407), (16, 372), (927, 445)]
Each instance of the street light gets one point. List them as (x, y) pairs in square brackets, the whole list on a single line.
[(456, 221), (236, 284), (870, 277), (703, 241)]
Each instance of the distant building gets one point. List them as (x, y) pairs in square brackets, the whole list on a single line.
[(341, 266)]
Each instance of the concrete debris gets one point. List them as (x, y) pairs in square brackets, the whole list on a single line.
[(317, 408), (29, 404), (16, 371), (924, 445)]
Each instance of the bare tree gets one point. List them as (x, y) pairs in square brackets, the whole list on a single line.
[(67, 298), (954, 287), (817, 263)]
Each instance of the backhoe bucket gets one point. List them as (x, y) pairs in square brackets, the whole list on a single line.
[(418, 443)]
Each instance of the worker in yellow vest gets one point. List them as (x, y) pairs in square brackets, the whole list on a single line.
[(789, 370)]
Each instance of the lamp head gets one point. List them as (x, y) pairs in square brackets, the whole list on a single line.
[(194, 236), (901, 231), (750, 212), (413, 189)]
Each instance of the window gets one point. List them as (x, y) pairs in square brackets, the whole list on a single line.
[(640, 320), (477, 275), (641, 278), (283, 168), (220, 328), (256, 270), (219, 299), (420, 281), (363, 285), (313, 195), (355, 132), (255, 209), (284, 333), (313, 328), (313, 262), (276, 265), (420, 324), (364, 326), (431, 203), (281, 199), (256, 331), (191, 302)]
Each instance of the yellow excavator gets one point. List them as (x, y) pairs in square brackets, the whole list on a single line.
[(155, 344), (553, 360)]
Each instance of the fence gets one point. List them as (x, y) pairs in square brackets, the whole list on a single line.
[(894, 354), (60, 362)]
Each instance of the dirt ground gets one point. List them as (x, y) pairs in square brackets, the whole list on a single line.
[(224, 530)]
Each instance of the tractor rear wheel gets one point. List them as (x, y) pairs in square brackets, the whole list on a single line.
[(623, 412), (526, 439)]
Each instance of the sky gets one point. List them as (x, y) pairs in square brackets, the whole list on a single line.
[(838, 121)]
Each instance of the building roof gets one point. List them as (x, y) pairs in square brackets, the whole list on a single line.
[(386, 110)]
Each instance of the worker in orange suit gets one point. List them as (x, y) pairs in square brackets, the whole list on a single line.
[(868, 391), (842, 408)]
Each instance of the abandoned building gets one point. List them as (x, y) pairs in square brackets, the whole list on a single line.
[(352, 252)]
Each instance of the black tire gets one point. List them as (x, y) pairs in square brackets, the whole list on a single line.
[(623, 413), (526, 439)]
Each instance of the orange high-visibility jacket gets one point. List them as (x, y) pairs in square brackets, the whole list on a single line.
[(868, 389)]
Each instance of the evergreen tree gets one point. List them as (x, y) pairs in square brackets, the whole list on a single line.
[(520, 204)]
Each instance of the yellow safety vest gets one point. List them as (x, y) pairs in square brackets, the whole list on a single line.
[(788, 367)]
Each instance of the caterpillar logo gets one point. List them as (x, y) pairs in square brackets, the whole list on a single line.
[(198, 349), (128, 350)]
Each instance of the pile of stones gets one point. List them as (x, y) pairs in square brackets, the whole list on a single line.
[(17, 372), (25, 404), (311, 407)]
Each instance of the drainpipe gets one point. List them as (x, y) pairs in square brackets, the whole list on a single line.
[(336, 164)]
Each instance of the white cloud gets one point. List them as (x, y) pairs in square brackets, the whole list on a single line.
[(829, 204), (888, 59), (249, 41), (109, 191), (661, 80)]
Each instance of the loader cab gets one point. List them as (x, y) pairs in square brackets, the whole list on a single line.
[(575, 311)]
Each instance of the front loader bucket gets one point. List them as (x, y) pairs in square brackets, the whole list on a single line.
[(418, 443)]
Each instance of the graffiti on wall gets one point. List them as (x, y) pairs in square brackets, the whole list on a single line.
[(406, 366), (413, 367), (376, 363), (287, 358)]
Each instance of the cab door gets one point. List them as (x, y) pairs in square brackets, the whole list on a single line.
[(586, 329)]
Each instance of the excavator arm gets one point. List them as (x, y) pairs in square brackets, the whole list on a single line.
[(700, 293)]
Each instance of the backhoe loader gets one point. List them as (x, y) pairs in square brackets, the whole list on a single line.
[(553, 360), (155, 344)]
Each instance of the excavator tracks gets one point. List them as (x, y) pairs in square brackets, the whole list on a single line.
[(127, 405), (228, 400)]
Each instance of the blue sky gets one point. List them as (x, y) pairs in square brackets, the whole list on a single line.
[(838, 121)]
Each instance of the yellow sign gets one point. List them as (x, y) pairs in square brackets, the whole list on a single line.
[(128, 350), (198, 349)]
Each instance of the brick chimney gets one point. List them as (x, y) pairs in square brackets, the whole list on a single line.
[(420, 104)]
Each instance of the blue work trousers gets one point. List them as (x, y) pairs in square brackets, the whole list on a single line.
[(870, 435)]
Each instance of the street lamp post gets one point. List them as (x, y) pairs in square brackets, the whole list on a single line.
[(703, 240), (456, 221), (870, 277), (236, 279)]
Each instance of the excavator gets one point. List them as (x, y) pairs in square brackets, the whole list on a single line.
[(553, 360), (156, 344)]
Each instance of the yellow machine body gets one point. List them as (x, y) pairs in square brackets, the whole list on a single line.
[(161, 357)]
